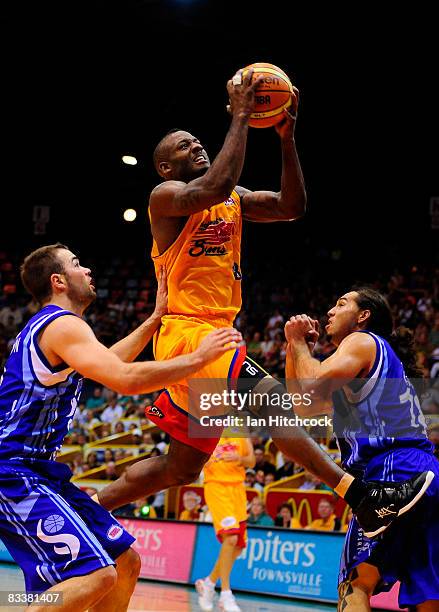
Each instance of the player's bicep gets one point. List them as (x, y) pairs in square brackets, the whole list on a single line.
[(74, 342)]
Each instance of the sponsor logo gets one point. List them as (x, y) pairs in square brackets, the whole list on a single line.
[(154, 411), (228, 521), (115, 532), (211, 237)]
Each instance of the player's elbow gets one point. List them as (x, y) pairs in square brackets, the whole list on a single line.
[(295, 207)]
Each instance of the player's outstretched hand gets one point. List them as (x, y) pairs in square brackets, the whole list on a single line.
[(285, 127), (241, 91), (161, 300), (218, 342)]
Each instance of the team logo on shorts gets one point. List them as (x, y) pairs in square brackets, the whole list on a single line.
[(228, 521), (49, 531), (115, 532), (154, 411), (53, 523)]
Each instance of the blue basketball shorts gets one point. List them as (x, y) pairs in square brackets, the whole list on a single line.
[(408, 551), (52, 529)]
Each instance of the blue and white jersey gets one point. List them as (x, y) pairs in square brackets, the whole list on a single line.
[(379, 414), (37, 402)]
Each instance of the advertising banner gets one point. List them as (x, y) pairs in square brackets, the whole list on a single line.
[(278, 561), (165, 548)]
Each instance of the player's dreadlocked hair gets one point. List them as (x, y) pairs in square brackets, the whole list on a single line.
[(381, 323)]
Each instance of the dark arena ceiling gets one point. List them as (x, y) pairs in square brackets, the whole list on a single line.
[(85, 82)]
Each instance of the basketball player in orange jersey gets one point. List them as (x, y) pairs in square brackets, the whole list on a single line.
[(196, 217), (226, 498)]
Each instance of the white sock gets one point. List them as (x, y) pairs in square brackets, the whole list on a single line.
[(209, 583), (226, 593)]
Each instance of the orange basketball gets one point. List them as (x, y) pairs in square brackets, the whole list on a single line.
[(273, 95)]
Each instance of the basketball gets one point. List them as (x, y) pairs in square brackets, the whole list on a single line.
[(273, 95)]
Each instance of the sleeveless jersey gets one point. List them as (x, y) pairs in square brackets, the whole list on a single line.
[(203, 264), (228, 472), (383, 415), (37, 402)]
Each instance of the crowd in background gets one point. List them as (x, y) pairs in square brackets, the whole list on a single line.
[(125, 297)]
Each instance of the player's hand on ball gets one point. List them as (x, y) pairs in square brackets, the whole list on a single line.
[(241, 92), (285, 127), (161, 300), (218, 342)]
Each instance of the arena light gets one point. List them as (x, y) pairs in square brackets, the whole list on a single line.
[(130, 160), (129, 214)]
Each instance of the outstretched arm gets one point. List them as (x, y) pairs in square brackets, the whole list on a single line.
[(73, 341), (290, 202), (128, 348), (179, 199)]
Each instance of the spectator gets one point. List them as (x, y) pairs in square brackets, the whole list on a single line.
[(191, 503), (159, 503), (259, 483), (250, 477), (119, 428), (108, 455), (155, 452), (286, 519), (141, 508), (327, 520), (258, 515), (112, 412), (119, 454), (92, 460), (262, 463), (268, 479), (105, 431), (96, 400), (158, 441), (286, 470), (312, 483), (11, 311)]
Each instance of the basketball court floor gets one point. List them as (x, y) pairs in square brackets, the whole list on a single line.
[(160, 597)]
